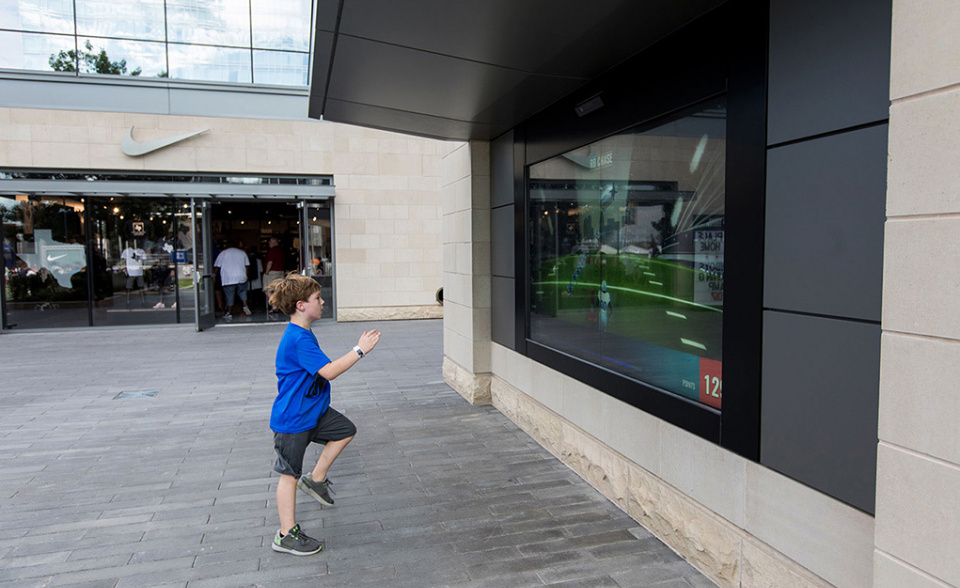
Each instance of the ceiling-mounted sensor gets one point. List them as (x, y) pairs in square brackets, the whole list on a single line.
[(589, 105)]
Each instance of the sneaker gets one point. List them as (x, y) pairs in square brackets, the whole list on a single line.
[(246, 310), (227, 316), (159, 305), (296, 542), (319, 490)]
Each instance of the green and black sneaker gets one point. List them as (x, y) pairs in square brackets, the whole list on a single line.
[(296, 542), (319, 490)]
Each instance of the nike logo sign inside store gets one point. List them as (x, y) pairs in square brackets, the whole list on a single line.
[(135, 148)]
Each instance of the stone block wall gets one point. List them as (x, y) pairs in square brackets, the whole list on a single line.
[(387, 228), (918, 502), (741, 524), (465, 179)]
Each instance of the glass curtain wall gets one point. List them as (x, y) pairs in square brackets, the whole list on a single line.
[(626, 260), (239, 41), (95, 261), (134, 251), (45, 261)]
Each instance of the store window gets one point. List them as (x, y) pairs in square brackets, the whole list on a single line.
[(45, 261), (134, 250), (626, 239)]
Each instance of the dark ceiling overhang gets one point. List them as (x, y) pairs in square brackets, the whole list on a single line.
[(455, 69)]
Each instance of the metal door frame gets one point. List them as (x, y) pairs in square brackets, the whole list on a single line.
[(305, 206), (203, 284)]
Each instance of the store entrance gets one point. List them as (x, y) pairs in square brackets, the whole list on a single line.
[(282, 236)]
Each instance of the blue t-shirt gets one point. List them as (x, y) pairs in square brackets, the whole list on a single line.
[(299, 405)]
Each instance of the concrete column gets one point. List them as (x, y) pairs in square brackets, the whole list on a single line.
[(918, 477), (465, 192)]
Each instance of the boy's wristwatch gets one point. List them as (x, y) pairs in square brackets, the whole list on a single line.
[(358, 350)]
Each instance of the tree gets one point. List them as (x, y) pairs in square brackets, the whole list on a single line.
[(92, 62)]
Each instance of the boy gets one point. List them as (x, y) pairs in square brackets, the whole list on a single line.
[(301, 412)]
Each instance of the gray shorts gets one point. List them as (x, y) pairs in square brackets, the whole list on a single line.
[(231, 291), (290, 447)]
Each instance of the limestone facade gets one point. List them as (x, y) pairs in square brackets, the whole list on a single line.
[(740, 523), (465, 180), (387, 228), (918, 462)]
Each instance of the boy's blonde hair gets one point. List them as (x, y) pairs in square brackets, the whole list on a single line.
[(287, 291)]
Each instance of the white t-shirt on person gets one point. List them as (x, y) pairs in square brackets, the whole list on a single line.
[(233, 264), (134, 259)]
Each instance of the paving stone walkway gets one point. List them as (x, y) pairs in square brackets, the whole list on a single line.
[(177, 489)]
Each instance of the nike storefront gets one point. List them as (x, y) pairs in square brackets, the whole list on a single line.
[(93, 249)]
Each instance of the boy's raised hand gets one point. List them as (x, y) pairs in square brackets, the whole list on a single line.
[(369, 340)]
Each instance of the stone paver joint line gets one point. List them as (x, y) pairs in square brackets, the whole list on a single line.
[(179, 490)]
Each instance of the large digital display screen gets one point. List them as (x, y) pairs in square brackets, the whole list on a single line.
[(626, 243)]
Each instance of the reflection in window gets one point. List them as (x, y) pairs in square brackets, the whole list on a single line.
[(220, 64), (109, 56), (280, 68), (318, 253), (279, 25), (32, 51), (626, 260), (45, 16), (131, 19), (207, 40), (135, 249), (45, 261), (211, 22)]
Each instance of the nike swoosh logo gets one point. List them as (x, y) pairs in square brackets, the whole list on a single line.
[(51, 258), (135, 148)]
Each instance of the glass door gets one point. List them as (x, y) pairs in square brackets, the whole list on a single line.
[(202, 265), (316, 251), (133, 265)]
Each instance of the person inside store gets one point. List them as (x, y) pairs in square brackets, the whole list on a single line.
[(231, 265), (163, 281), (133, 257), (273, 270)]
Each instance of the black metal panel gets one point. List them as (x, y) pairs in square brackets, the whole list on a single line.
[(323, 47), (327, 14), (502, 262), (530, 96), (820, 404), (826, 202), (829, 65), (677, 72), (501, 170), (462, 92), (397, 120), (521, 328), (483, 63), (557, 37), (744, 228), (502, 319)]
